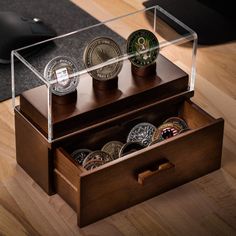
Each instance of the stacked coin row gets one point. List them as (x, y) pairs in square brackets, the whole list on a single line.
[(141, 135), (92, 159), (142, 44), (147, 134)]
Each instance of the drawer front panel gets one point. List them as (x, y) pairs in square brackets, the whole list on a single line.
[(66, 166), (121, 184), (65, 189)]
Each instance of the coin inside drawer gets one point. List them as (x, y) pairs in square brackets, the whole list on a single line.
[(135, 177)]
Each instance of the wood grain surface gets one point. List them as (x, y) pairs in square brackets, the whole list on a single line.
[(130, 94), (94, 188), (206, 206)]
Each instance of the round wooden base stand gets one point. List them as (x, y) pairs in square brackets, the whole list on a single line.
[(65, 99), (144, 72), (103, 85)]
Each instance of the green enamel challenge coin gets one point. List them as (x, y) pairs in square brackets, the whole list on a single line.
[(145, 44)]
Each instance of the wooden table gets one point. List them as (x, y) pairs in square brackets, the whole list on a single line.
[(206, 206)]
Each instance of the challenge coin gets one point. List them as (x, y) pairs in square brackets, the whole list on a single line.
[(100, 50), (97, 155), (80, 154), (145, 44), (113, 148), (177, 121), (93, 164), (61, 68), (142, 133), (130, 147)]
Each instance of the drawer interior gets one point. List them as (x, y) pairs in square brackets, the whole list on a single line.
[(118, 130), (88, 191)]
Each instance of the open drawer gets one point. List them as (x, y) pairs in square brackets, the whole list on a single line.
[(131, 179)]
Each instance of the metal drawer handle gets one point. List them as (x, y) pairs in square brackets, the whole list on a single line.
[(144, 176)]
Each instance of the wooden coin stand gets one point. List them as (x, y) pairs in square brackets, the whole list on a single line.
[(65, 99), (105, 85), (144, 72), (91, 120)]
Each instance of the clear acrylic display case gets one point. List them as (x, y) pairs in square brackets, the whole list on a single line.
[(177, 45)]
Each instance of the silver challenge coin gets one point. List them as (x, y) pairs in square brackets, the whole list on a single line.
[(97, 156), (80, 154), (142, 133), (61, 68), (93, 164), (165, 131), (130, 148), (101, 50)]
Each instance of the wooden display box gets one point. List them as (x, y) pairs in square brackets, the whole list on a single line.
[(98, 117)]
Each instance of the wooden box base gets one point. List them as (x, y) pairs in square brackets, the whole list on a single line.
[(132, 179), (91, 122), (190, 155), (95, 105)]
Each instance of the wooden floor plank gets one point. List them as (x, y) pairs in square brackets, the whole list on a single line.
[(206, 206)]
